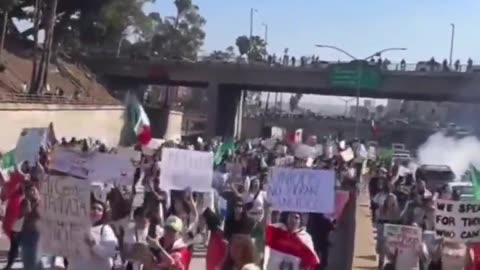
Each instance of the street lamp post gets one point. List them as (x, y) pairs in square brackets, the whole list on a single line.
[(252, 11), (242, 93), (265, 37), (346, 104), (452, 39), (359, 75)]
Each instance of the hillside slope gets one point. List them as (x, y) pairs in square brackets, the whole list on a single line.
[(67, 76)]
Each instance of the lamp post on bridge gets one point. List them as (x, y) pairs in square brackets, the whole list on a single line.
[(359, 74)]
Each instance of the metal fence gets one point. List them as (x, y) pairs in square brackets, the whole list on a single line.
[(53, 99)]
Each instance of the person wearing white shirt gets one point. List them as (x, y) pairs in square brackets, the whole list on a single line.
[(101, 241), (137, 233)]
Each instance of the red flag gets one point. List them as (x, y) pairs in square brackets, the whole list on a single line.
[(216, 250), (283, 248), (374, 129), (13, 195)]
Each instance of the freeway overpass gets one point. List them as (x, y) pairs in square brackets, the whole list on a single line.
[(225, 82)]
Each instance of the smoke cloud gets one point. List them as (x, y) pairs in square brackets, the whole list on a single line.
[(456, 153)]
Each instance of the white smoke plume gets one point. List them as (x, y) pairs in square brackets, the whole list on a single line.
[(456, 153)]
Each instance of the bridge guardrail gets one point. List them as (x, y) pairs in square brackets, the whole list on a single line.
[(53, 99)]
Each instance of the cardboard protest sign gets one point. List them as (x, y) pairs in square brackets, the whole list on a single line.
[(183, 169), (70, 162), (65, 216), (97, 167), (457, 221), (302, 190), (400, 237), (284, 161)]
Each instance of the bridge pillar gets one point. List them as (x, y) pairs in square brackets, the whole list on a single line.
[(223, 111)]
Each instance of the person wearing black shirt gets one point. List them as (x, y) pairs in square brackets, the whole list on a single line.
[(238, 222), (319, 227)]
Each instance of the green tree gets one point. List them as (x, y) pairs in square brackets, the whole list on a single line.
[(243, 44), (182, 35), (5, 7), (258, 49), (255, 48), (227, 55)]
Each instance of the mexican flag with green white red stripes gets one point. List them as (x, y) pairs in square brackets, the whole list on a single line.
[(8, 164), (475, 178)]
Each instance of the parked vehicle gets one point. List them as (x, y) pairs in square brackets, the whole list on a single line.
[(435, 175)]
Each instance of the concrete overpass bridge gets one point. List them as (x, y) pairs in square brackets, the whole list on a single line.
[(225, 82)]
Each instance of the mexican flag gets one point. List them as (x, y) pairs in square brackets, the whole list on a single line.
[(137, 120), (8, 164), (226, 148), (288, 250), (475, 177)]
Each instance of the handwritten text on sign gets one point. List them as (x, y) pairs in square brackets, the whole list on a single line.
[(65, 216), (399, 237), (458, 221), (99, 167), (302, 190), (186, 169)]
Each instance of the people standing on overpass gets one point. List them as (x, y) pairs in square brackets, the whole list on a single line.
[(457, 65), (469, 65), (403, 65), (445, 65)]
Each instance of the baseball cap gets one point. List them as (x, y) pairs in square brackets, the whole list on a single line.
[(174, 223)]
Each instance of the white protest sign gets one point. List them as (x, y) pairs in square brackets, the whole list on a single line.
[(65, 216), (28, 145), (401, 238), (302, 190), (304, 151), (347, 154), (284, 161), (457, 221), (181, 169)]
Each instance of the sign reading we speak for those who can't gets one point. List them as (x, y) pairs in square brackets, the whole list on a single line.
[(457, 221), (302, 190), (181, 169)]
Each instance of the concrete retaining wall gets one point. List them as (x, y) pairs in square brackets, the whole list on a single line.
[(80, 121)]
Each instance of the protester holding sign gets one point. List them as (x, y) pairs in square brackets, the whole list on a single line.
[(136, 234), (289, 245), (387, 212), (404, 245), (30, 235), (101, 241)]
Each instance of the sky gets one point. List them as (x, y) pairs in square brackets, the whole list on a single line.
[(361, 27)]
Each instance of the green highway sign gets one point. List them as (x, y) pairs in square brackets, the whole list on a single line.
[(355, 74)]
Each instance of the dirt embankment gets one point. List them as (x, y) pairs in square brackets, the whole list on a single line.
[(63, 74)]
